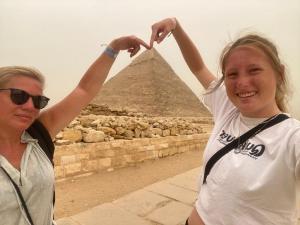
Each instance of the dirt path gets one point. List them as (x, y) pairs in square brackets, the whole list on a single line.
[(74, 196)]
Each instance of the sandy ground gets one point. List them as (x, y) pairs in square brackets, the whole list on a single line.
[(76, 195)]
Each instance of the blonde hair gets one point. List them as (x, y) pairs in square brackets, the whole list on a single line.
[(270, 50), (8, 72)]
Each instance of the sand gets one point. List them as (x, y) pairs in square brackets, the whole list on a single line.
[(79, 194)]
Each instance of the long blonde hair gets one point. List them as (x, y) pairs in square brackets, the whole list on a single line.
[(270, 50)]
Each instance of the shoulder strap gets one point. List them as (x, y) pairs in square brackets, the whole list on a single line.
[(240, 140), (20, 197), (38, 131)]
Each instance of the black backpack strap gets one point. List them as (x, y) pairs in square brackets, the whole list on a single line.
[(240, 140), (39, 132)]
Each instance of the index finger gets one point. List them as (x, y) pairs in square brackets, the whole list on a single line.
[(141, 42), (153, 36)]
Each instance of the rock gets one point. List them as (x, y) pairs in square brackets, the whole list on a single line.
[(94, 136), (72, 135)]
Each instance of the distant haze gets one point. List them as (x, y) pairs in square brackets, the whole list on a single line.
[(63, 37)]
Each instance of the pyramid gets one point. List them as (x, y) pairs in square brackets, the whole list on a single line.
[(149, 85)]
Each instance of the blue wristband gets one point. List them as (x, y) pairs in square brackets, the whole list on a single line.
[(111, 52)]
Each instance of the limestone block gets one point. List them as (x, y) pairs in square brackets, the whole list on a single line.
[(72, 135), (156, 131), (59, 172), (120, 130), (109, 153), (86, 121), (67, 159), (148, 147), (128, 134), (91, 165), (59, 135), (83, 156), (73, 123), (96, 123), (121, 122), (183, 148), (166, 133), (162, 146), (83, 129), (118, 161), (156, 124), (137, 133), (94, 136), (104, 162), (141, 156), (62, 142), (117, 144), (107, 130), (183, 132), (72, 169), (142, 125), (189, 132), (129, 158), (172, 151)]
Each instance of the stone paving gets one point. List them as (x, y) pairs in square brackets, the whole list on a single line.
[(168, 202)]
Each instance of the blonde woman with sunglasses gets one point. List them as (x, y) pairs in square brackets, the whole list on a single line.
[(26, 173)]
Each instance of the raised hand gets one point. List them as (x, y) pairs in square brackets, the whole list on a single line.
[(130, 43), (161, 29)]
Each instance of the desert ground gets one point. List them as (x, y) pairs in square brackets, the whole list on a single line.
[(75, 195)]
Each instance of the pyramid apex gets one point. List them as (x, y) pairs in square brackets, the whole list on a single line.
[(147, 55)]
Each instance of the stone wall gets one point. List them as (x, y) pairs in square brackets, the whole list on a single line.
[(79, 159), (98, 128), (93, 142)]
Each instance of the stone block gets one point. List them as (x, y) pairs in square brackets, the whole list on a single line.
[(166, 133), (72, 169), (117, 144), (173, 192), (108, 214), (171, 214), (72, 135), (68, 159), (82, 156), (141, 202), (94, 136), (91, 165), (59, 172), (105, 162)]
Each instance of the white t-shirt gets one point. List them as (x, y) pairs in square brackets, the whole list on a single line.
[(253, 185), (36, 182)]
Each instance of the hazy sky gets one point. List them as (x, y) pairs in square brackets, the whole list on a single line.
[(61, 38)]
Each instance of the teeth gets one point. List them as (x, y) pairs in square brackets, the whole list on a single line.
[(246, 94)]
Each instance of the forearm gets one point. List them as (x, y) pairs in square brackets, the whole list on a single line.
[(94, 77), (188, 49), (192, 57)]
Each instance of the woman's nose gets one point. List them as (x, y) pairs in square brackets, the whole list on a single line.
[(29, 104), (242, 80)]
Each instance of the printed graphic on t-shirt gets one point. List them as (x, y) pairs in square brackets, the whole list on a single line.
[(247, 148)]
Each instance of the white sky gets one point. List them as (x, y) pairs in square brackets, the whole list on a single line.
[(62, 38)]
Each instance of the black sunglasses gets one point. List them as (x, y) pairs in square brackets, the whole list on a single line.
[(20, 97)]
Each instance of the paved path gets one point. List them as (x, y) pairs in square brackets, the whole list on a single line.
[(168, 202)]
